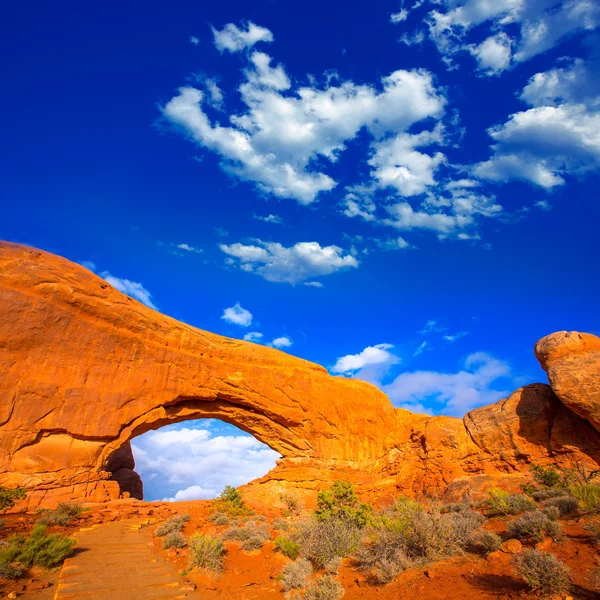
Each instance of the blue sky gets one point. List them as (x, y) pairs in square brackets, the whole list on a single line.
[(401, 192)]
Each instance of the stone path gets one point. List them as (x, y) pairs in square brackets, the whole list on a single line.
[(115, 562)]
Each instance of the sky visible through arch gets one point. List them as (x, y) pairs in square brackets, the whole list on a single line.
[(402, 192)]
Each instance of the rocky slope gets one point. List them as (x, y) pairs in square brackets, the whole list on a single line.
[(86, 368)]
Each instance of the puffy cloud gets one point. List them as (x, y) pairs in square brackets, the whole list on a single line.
[(451, 338), (270, 219), (536, 26), (131, 288), (398, 17), (282, 342), (295, 264), (477, 384), (180, 463), (234, 39), (371, 355), (277, 142), (194, 40), (432, 326), (544, 143), (253, 336), (237, 315)]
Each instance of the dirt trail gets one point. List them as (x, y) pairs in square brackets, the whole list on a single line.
[(115, 562)]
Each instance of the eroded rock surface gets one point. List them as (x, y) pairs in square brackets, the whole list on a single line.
[(86, 368)]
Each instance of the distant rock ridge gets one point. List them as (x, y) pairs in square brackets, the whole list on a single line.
[(87, 368)]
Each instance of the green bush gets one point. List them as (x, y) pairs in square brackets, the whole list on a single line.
[(455, 507), (251, 534), (63, 514), (288, 548), (566, 505), (292, 503), (552, 512), (546, 494), (384, 557), (341, 502), (231, 503), (10, 570), (295, 574), (206, 552), (38, 548), (533, 525), (322, 541), (173, 540), (173, 525), (543, 572), (324, 588), (503, 503), (588, 495), (548, 476), (8, 496), (488, 541)]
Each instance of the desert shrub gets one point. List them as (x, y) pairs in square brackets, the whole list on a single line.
[(251, 534), (503, 503), (533, 525), (322, 541), (288, 548), (566, 505), (63, 514), (173, 525), (292, 503), (295, 574), (546, 494), (342, 503), (333, 566), (552, 512), (280, 525), (455, 507), (219, 518), (231, 503), (324, 588), (594, 530), (543, 572), (384, 557), (488, 541), (173, 540), (588, 495), (548, 476), (10, 570), (260, 518), (38, 548), (465, 524), (8, 496), (206, 552)]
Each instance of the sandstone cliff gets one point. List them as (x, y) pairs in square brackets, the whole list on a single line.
[(86, 369)]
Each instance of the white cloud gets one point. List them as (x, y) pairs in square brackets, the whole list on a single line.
[(253, 336), (188, 248), (398, 17), (237, 315), (432, 326), (316, 284), (451, 338), (215, 93), (88, 264), (454, 393), (194, 40), (282, 342), (131, 288), (535, 25), (397, 243), (420, 349), (371, 355), (182, 462), (276, 219), (295, 264), (194, 492), (234, 39), (278, 141), (544, 143)]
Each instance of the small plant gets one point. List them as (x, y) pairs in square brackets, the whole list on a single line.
[(548, 476), (38, 548), (292, 503), (231, 503), (173, 525), (288, 548), (8, 496), (10, 570), (503, 503), (324, 588), (251, 534), (280, 525), (260, 518), (456, 507), (543, 572), (206, 552), (488, 541), (588, 495), (322, 541), (173, 540), (552, 512), (465, 524), (63, 514), (533, 525), (295, 574), (384, 558), (342, 503), (594, 530), (546, 494), (566, 505)]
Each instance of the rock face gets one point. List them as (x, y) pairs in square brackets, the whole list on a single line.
[(86, 369)]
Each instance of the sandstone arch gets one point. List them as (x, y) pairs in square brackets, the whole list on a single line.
[(86, 368)]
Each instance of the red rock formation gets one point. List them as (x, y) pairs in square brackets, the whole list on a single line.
[(86, 369)]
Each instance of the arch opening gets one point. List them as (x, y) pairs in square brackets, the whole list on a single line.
[(189, 460)]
